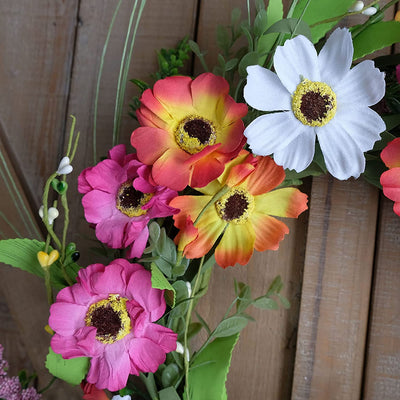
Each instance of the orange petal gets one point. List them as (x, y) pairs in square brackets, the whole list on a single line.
[(236, 245), (266, 176), (269, 231), (286, 202), (186, 234), (189, 206), (390, 181)]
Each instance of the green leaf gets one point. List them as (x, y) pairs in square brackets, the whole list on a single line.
[(223, 39), (194, 329), (230, 326), (203, 323), (159, 281), (291, 26), (22, 254), (373, 171), (169, 394), (248, 59), (170, 375), (320, 10), (265, 42), (386, 137), (230, 64), (208, 372), (391, 121), (72, 371), (376, 37), (285, 302), (265, 303), (260, 23), (276, 286)]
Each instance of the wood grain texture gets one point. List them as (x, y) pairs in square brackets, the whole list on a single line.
[(37, 48), (382, 369), (335, 293)]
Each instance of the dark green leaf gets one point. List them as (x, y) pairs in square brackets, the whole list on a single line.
[(169, 394), (373, 171), (209, 370), (194, 329), (203, 323), (230, 64), (159, 281), (223, 39), (291, 26), (249, 59), (170, 375), (72, 371), (391, 121), (376, 37), (386, 137), (260, 23), (230, 326)]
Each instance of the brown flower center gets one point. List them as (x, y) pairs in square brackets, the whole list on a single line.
[(236, 206), (130, 200), (194, 133)]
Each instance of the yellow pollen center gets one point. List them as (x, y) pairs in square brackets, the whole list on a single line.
[(236, 206), (314, 103), (194, 133), (130, 200), (110, 317)]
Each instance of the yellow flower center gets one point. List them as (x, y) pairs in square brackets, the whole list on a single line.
[(110, 317), (236, 206), (314, 103), (130, 200), (194, 133)]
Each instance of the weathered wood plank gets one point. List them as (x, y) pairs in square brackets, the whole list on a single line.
[(382, 370), (37, 48), (262, 365), (336, 289)]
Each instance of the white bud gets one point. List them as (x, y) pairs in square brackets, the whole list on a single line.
[(52, 214), (357, 6), (118, 397), (370, 11), (41, 211), (181, 350), (189, 289), (64, 167)]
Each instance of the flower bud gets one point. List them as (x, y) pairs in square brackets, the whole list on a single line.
[(370, 11), (357, 6), (64, 167)]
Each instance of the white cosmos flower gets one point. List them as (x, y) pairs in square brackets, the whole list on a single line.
[(316, 96)]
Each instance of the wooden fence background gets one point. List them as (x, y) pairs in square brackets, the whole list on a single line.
[(340, 263)]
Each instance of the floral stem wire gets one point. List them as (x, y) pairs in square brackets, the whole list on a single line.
[(96, 98), (185, 338)]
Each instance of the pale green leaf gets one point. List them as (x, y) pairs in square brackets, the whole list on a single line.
[(208, 372), (265, 303), (375, 37), (230, 326), (159, 281), (72, 371), (168, 394), (265, 42), (320, 10)]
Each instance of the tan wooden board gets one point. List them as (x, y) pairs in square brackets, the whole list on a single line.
[(336, 288), (382, 369)]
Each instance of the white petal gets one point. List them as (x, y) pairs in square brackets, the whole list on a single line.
[(65, 170), (299, 153), (271, 132), (343, 158), (361, 123), (336, 56), (264, 91), (363, 85), (297, 58)]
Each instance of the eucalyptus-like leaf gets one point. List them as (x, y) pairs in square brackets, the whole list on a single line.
[(265, 303), (230, 326), (170, 375), (260, 23)]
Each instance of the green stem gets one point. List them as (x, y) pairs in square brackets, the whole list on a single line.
[(64, 202), (48, 386), (187, 322), (48, 285)]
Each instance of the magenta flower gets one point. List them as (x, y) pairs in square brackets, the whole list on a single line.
[(120, 198), (109, 315)]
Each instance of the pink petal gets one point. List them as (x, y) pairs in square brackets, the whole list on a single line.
[(118, 153), (111, 231), (106, 176), (139, 244), (146, 355), (98, 205), (161, 335), (111, 281), (67, 318)]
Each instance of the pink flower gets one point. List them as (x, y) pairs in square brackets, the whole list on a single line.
[(120, 198), (390, 180), (108, 315)]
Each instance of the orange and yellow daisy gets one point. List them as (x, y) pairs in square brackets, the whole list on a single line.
[(189, 130), (239, 208)]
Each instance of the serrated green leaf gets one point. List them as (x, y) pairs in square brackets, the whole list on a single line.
[(291, 26), (208, 372), (265, 42), (230, 326), (375, 37), (265, 303), (72, 371), (159, 281), (22, 254), (320, 10), (249, 59)]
